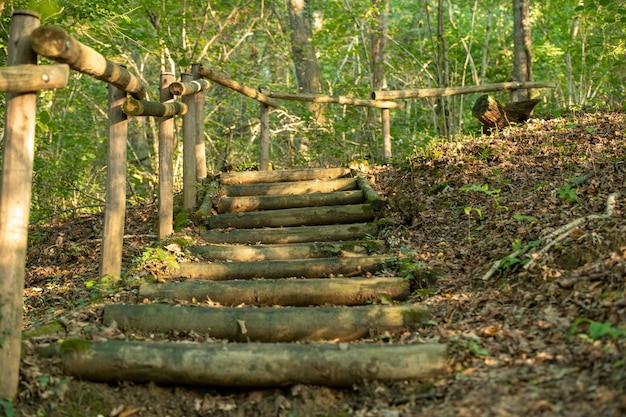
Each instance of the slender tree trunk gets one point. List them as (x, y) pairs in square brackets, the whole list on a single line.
[(307, 68), (522, 62), (443, 73), (379, 81)]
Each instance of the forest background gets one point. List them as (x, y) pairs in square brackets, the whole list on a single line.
[(580, 45)]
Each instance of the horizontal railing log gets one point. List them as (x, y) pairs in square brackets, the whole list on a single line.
[(320, 98), (133, 107), (188, 88), (30, 77), (57, 44), (234, 85), (451, 91)]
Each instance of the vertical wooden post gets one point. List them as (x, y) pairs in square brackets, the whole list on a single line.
[(386, 130), (264, 144), (198, 99), (166, 162), (115, 207), (189, 150), (15, 196)]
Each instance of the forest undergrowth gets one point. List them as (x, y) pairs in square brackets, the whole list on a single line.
[(517, 243)]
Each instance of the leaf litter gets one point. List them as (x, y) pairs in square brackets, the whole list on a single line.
[(544, 334)]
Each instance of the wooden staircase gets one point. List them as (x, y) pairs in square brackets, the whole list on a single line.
[(292, 287)]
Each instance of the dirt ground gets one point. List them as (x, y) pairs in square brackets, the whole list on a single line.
[(517, 241)]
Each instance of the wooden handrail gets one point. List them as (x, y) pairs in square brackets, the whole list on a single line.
[(451, 91), (320, 98), (29, 77), (57, 44)]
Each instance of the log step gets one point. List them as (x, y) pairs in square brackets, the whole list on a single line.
[(267, 324), (249, 365), (330, 233), (254, 177), (290, 188), (273, 202), (296, 268), (221, 252), (306, 216), (271, 292)]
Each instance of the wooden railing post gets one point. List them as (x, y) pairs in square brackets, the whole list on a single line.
[(15, 189), (189, 150), (166, 162), (386, 131), (115, 207), (198, 99)]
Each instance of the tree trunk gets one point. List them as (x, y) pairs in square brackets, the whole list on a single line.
[(133, 107), (292, 188), (271, 292), (267, 324), (293, 268), (273, 202), (305, 216), (331, 233), (287, 251), (305, 59), (15, 198), (522, 60), (251, 365)]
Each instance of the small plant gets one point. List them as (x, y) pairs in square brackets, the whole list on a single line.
[(7, 408), (519, 249), (567, 193), (596, 330), (495, 193)]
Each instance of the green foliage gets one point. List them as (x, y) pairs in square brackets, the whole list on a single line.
[(519, 248), (567, 193), (596, 330), (7, 408)]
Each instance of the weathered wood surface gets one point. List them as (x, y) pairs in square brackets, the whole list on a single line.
[(376, 201), (115, 208), (253, 177), (297, 268), (30, 77), (304, 216), (291, 188), (270, 292), (493, 114), (133, 107), (16, 178), (321, 98), (451, 91), (330, 233), (234, 85), (188, 88), (166, 162), (57, 44), (274, 202), (288, 251), (267, 324), (251, 365)]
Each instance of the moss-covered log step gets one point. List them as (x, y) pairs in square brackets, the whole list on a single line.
[(254, 177), (291, 292), (288, 188), (307, 250), (249, 365), (267, 324), (293, 268), (301, 234), (273, 202), (305, 216)]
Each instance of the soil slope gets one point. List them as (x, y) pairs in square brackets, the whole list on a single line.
[(516, 242)]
